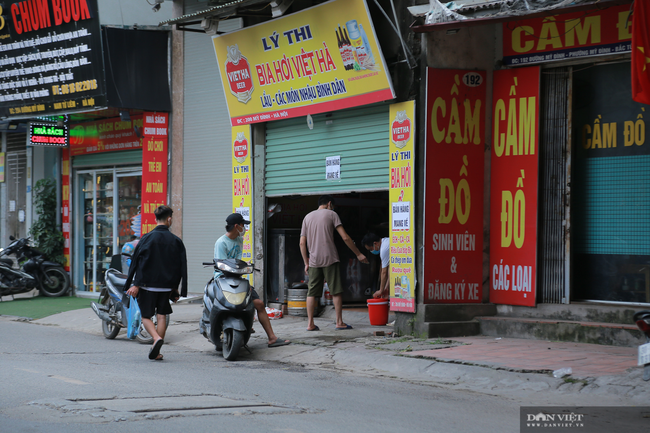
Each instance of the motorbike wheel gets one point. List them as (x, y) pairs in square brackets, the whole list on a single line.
[(144, 337), (233, 341), (59, 282), (110, 331)]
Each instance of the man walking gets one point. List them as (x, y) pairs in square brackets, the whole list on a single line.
[(379, 247), (322, 263), (158, 265), (230, 246)]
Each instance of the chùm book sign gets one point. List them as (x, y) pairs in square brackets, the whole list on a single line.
[(321, 59)]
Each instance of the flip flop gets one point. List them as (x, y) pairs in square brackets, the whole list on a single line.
[(346, 327), (315, 329), (279, 342), (159, 357), (155, 349)]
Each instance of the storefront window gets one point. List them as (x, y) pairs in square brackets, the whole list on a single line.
[(610, 210), (109, 203)]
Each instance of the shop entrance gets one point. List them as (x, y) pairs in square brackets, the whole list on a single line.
[(359, 212), (108, 209)]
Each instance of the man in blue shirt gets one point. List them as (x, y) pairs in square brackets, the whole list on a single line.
[(230, 246)]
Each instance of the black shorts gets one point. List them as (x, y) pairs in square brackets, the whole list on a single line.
[(152, 303)]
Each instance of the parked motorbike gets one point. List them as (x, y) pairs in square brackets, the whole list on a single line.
[(642, 320), (36, 272), (228, 310), (111, 305)]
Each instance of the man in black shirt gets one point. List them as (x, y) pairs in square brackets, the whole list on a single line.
[(158, 266)]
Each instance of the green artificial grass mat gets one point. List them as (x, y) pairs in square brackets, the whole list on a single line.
[(40, 306)]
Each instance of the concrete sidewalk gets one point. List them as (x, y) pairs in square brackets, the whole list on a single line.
[(509, 367)]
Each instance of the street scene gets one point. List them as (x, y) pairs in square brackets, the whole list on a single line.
[(65, 376), (324, 215)]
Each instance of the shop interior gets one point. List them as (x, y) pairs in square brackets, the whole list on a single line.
[(359, 212)]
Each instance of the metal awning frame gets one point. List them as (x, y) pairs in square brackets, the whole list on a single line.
[(495, 19)]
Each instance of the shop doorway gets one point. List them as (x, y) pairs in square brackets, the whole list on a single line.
[(108, 210), (359, 213)]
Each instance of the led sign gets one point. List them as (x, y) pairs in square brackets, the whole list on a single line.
[(48, 135)]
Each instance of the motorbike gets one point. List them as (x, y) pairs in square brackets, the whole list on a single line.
[(110, 308), (228, 311), (642, 320), (34, 271)]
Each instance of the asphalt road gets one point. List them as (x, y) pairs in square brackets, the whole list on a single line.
[(58, 380)]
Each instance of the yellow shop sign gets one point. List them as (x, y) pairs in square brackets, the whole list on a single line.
[(321, 59)]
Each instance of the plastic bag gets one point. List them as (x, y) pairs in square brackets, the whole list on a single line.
[(273, 313), (133, 318)]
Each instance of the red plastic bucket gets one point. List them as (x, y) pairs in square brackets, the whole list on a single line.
[(378, 311)]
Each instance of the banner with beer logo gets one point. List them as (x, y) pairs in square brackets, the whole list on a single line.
[(455, 143), (597, 32), (154, 167), (242, 184), (401, 274), (513, 195), (320, 59)]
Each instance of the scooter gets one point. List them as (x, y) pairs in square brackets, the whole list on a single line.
[(228, 310), (642, 320), (36, 272), (110, 307)]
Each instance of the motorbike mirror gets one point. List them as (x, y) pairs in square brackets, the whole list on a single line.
[(11, 238)]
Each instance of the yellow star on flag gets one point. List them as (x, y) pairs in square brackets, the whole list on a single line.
[(647, 59)]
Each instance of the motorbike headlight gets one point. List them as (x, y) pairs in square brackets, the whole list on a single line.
[(235, 298)]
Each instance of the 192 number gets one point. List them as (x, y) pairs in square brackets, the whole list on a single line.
[(472, 79)]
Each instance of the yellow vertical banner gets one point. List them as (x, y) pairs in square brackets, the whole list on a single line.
[(242, 184), (402, 200)]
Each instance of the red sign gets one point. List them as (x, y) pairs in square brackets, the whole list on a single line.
[(400, 131), (65, 204), (105, 136), (455, 143), (513, 195), (239, 76), (154, 167), (566, 36), (240, 148)]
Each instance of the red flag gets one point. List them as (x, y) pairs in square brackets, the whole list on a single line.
[(641, 52)]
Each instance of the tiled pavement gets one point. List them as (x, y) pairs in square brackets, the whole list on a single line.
[(585, 360)]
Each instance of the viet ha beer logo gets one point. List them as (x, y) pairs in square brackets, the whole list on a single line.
[(240, 148), (239, 75), (401, 129)]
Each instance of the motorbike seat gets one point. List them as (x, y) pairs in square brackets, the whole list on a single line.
[(117, 279), (7, 261)]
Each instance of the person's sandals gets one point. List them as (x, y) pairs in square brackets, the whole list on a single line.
[(316, 328), (280, 342), (346, 327), (155, 349)]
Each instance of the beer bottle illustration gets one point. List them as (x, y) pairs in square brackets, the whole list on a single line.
[(357, 43), (350, 53)]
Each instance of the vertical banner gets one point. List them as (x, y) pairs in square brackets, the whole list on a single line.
[(455, 143), (513, 195), (65, 204), (154, 167), (242, 183), (401, 275), (2, 167)]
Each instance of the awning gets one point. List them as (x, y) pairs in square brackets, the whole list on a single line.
[(231, 9), (499, 16)]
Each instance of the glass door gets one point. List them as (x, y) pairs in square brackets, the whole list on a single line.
[(108, 203)]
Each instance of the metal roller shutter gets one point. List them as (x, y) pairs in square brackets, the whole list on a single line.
[(295, 155)]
